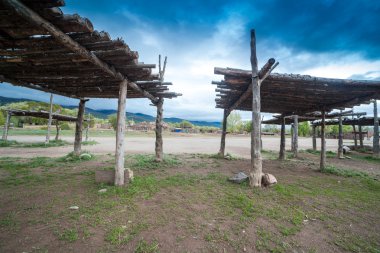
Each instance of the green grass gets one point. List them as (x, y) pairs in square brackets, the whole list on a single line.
[(124, 234), (147, 162), (69, 235), (16, 144), (329, 154), (89, 143), (330, 169), (144, 247)]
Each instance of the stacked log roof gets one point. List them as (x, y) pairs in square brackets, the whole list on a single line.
[(31, 57), (43, 115), (362, 121), (291, 94)]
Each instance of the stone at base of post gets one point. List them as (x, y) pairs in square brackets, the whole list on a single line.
[(108, 176)]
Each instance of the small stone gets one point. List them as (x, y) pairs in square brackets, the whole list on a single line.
[(102, 190), (129, 221), (244, 249), (268, 180), (238, 178), (74, 207), (124, 227)]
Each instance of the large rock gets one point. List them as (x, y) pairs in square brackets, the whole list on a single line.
[(346, 150), (108, 176), (238, 178), (268, 180)]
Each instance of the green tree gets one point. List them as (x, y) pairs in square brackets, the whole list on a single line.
[(304, 128), (185, 124), (234, 122), (2, 118), (112, 119)]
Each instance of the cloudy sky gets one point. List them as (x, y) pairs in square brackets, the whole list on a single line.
[(325, 38)]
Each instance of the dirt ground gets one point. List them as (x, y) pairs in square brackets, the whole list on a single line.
[(186, 204), (207, 144)]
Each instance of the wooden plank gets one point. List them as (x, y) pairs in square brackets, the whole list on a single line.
[(78, 127), (120, 135)]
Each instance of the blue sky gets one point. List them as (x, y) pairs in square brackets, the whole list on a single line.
[(323, 38)]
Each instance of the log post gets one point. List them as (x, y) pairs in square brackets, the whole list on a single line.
[(57, 128), (355, 139), (323, 142), (295, 135), (6, 126), (340, 138), (224, 132), (361, 137), (282, 142), (88, 126), (50, 120), (292, 137), (78, 127), (159, 142), (120, 134), (256, 159), (376, 148), (314, 137)]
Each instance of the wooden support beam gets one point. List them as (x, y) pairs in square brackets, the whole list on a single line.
[(292, 137), (355, 137), (314, 137), (120, 135), (78, 127), (322, 164), (50, 120), (361, 137), (376, 147), (282, 141), (159, 141), (6, 126), (57, 130), (224, 133), (295, 136), (340, 138), (34, 18), (88, 126), (255, 173)]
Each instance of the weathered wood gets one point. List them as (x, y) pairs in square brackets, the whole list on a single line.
[(71, 44), (50, 119), (340, 139), (295, 135), (223, 135), (322, 165), (314, 137), (120, 135), (88, 126), (282, 141), (255, 173), (108, 177), (158, 131), (78, 127), (361, 137), (57, 130), (376, 146), (355, 137), (292, 137), (6, 126)]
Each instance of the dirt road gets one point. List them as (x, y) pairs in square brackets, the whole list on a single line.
[(236, 145)]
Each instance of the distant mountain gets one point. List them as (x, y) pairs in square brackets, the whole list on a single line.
[(103, 114)]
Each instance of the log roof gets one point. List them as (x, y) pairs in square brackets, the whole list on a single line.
[(291, 94), (31, 56), (362, 121), (43, 115)]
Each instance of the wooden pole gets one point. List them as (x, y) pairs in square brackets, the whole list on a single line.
[(256, 159), (78, 127), (33, 17), (88, 126), (355, 139), (6, 126), (50, 119), (120, 134), (295, 151), (376, 148), (57, 128), (323, 142), (314, 137), (282, 142), (292, 137), (224, 133), (159, 142), (340, 139), (361, 137)]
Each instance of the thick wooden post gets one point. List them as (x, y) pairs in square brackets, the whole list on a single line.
[(88, 126), (224, 132), (376, 148), (323, 142), (78, 127), (6, 126), (159, 142), (292, 137), (340, 139), (355, 139), (256, 159), (295, 135), (120, 134), (57, 128), (50, 119), (361, 137), (314, 137), (282, 142)]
